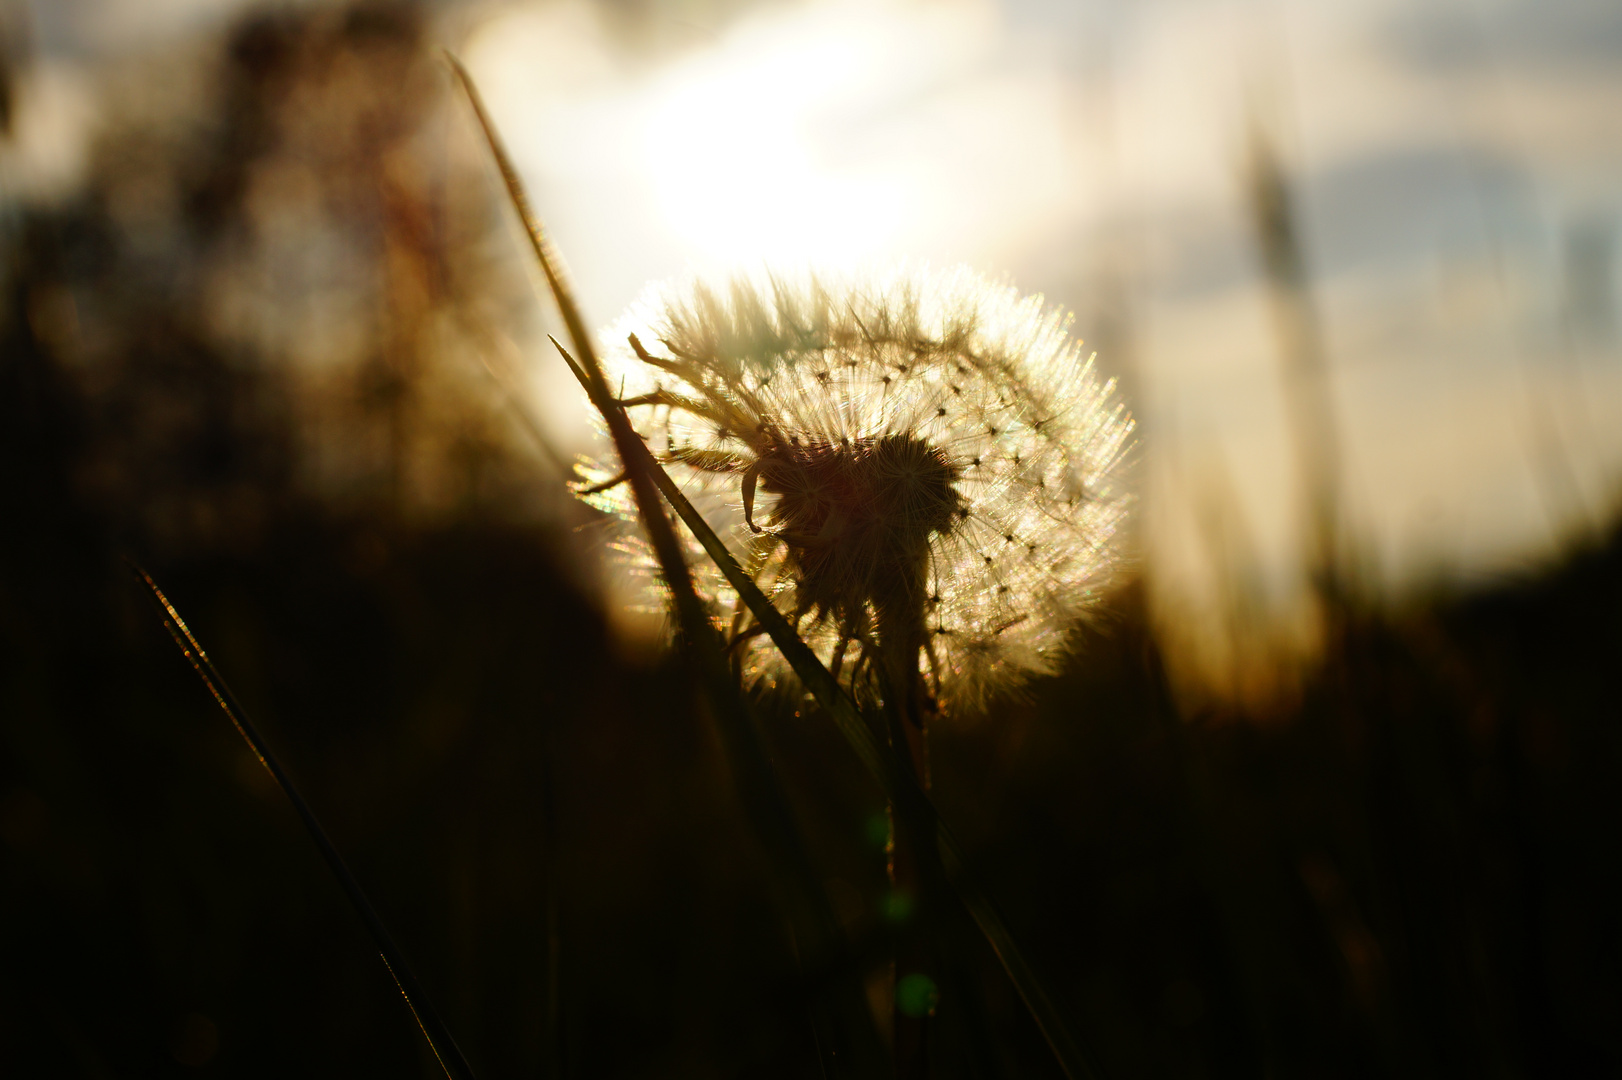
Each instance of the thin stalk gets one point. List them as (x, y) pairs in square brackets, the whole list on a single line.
[(416, 998), (914, 864), (914, 869)]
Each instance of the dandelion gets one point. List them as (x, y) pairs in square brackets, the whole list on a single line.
[(882, 493), (920, 469)]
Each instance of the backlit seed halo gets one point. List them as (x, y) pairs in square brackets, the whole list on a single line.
[(915, 437)]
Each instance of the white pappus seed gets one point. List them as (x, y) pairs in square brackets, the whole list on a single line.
[(913, 444)]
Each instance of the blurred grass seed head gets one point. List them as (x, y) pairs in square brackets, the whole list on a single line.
[(917, 445)]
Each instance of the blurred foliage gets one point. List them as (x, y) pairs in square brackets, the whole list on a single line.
[(1411, 871)]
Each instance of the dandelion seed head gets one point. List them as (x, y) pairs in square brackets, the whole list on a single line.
[(921, 441)]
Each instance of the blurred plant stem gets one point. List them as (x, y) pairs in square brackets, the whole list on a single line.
[(1308, 396)]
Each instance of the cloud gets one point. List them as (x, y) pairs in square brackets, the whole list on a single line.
[(1553, 38)]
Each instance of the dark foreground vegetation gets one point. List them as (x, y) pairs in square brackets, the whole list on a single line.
[(1413, 872)]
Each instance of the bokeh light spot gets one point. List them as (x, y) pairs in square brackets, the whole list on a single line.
[(917, 995), (878, 830)]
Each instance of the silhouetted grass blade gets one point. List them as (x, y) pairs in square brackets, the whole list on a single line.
[(547, 258), (428, 1020)]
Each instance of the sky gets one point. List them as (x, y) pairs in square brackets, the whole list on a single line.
[(1453, 168)]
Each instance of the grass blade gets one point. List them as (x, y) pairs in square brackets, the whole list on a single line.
[(416, 999), (547, 258)]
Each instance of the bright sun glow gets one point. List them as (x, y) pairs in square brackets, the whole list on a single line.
[(731, 142), (831, 134)]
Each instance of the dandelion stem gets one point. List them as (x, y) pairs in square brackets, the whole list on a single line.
[(914, 863), (913, 873)]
